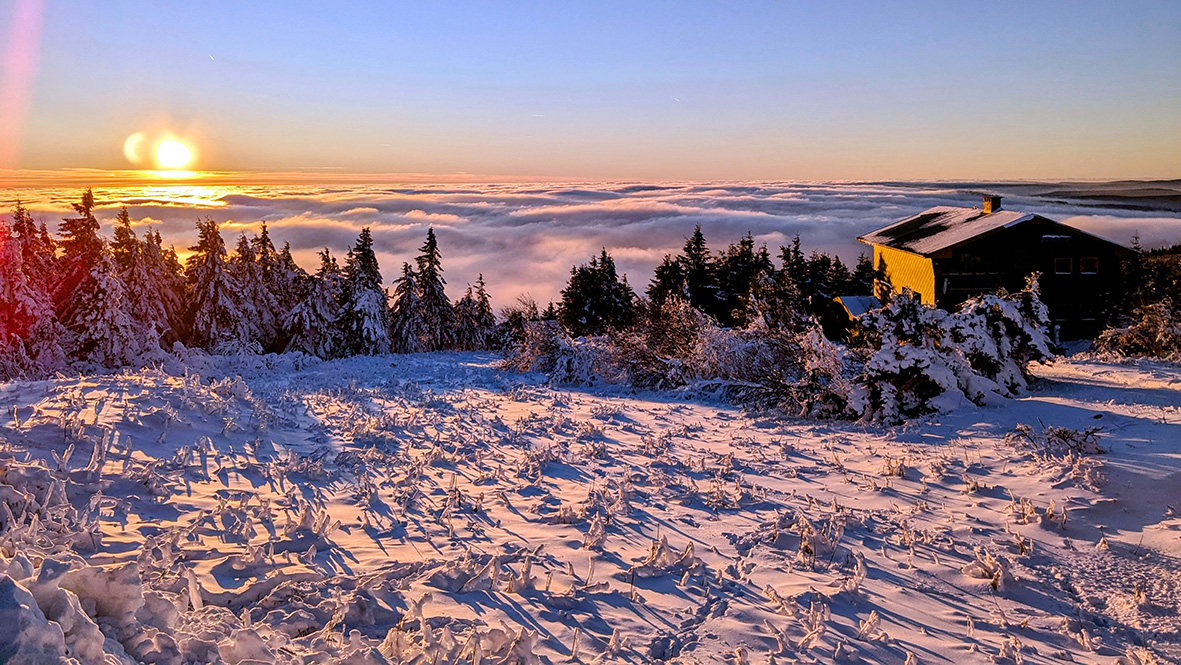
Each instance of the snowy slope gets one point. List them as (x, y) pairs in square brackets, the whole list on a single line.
[(433, 507)]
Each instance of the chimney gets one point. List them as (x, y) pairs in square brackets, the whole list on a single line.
[(991, 204)]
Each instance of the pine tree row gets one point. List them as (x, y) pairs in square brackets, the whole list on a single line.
[(735, 287), (97, 303)]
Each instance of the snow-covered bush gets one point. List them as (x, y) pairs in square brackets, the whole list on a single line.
[(915, 367), (1057, 440), (684, 349), (545, 348), (1154, 332), (1001, 334), (923, 359)]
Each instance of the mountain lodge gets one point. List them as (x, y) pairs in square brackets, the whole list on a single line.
[(948, 254)]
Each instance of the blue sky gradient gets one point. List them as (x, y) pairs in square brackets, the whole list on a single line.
[(651, 90)]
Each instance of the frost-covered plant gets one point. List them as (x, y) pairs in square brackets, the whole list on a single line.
[(1001, 334), (1057, 440), (924, 359), (545, 348), (916, 367), (803, 373), (1154, 332)]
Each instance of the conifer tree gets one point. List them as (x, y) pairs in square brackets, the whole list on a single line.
[(254, 296), (145, 293), (38, 251), (30, 337), (864, 277), (290, 283), (214, 317), (739, 269), (168, 277), (485, 316), (667, 282), (91, 299), (475, 323), (98, 320), (310, 325), (795, 266), (596, 299), (284, 279), (468, 336), (362, 321), (700, 277), (438, 317), (81, 248), (407, 327)]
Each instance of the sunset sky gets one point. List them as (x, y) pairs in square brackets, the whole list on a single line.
[(645, 90)]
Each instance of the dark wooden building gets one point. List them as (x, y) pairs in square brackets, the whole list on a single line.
[(948, 254)]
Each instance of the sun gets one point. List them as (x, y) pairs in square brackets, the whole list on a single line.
[(172, 154)]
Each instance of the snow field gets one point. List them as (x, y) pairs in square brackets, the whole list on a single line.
[(432, 508)]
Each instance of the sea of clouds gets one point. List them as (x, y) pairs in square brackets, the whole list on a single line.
[(525, 238)]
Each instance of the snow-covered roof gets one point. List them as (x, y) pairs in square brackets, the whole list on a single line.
[(858, 305), (938, 228)]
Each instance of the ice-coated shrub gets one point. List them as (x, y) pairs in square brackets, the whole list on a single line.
[(924, 360), (915, 366), (681, 348), (1154, 332), (1001, 334), (911, 358), (545, 348)]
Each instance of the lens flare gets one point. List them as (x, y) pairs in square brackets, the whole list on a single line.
[(132, 149), (172, 154)]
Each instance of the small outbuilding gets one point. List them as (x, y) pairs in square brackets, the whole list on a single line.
[(948, 254)]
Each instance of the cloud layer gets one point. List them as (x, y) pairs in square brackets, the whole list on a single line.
[(525, 238)]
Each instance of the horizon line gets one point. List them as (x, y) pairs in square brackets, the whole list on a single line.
[(95, 177)]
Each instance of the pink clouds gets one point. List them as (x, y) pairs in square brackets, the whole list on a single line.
[(525, 237)]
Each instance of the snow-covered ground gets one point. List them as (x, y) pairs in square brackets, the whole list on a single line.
[(436, 508)]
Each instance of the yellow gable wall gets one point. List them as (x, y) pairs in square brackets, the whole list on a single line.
[(904, 269)]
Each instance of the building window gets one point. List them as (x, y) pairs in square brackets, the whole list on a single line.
[(1062, 266), (1088, 265)]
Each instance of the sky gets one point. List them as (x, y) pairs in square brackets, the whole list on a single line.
[(601, 90)]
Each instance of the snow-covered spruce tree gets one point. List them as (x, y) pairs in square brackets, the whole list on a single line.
[(438, 317), (475, 324), (362, 320), (310, 326), (406, 322), (215, 320), (81, 248), (38, 250), (30, 337), (1001, 334), (485, 317), (468, 336), (596, 299), (145, 293), (91, 299), (98, 321), (284, 279), (167, 276), (916, 367), (925, 359), (289, 282), (254, 296)]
